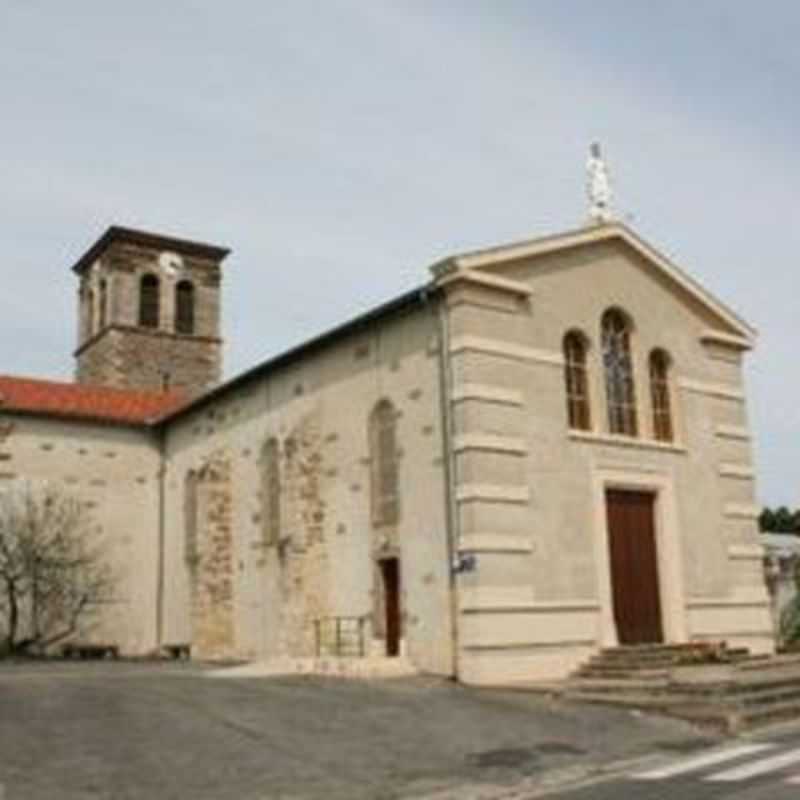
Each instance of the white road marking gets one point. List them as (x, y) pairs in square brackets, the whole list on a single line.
[(794, 780), (757, 768), (699, 762)]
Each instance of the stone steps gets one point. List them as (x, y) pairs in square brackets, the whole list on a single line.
[(662, 656), (673, 694), (735, 716), (611, 673), (752, 692), (729, 715), (767, 715), (740, 686), (769, 663), (726, 689), (645, 650)]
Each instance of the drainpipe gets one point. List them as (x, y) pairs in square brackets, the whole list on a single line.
[(451, 509), (162, 470)]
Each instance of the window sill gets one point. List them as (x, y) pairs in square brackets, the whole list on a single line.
[(625, 441)]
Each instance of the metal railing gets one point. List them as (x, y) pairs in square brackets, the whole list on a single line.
[(340, 636)]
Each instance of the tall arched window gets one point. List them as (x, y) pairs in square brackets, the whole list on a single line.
[(618, 367), (149, 301), (384, 488), (184, 307), (663, 429), (271, 492), (575, 378), (102, 303)]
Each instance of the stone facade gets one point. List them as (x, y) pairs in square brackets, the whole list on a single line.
[(131, 358), (209, 558), (324, 564), (114, 349), (531, 492), (501, 531), (115, 471)]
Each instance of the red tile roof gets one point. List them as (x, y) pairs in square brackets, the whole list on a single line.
[(82, 401)]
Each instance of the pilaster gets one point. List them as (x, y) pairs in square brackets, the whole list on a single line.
[(489, 364)]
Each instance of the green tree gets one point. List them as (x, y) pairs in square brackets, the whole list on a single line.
[(766, 520), (784, 520)]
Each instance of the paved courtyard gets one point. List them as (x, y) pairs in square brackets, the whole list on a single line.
[(131, 731)]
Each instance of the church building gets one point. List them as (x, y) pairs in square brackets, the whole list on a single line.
[(540, 452)]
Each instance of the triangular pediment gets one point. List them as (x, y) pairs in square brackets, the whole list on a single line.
[(497, 261)]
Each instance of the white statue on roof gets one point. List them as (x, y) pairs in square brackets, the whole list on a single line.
[(598, 186)]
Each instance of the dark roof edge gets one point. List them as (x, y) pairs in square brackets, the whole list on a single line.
[(415, 297), (148, 239)]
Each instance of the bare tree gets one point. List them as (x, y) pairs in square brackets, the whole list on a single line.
[(53, 572)]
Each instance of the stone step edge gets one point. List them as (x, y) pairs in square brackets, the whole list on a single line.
[(621, 674), (780, 661), (696, 691), (738, 685), (735, 720), (738, 679), (731, 717), (675, 659)]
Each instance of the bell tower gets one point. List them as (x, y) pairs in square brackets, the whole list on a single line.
[(149, 312)]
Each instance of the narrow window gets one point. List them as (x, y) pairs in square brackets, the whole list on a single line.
[(103, 302), (383, 462), (270, 492), (659, 392), (618, 367), (89, 314), (577, 385), (149, 301), (184, 307), (190, 512)]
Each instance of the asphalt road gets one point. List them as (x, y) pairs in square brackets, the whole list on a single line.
[(763, 768), (127, 731)]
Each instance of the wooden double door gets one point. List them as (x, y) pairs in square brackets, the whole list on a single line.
[(634, 566)]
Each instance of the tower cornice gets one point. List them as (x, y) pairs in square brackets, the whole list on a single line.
[(119, 234)]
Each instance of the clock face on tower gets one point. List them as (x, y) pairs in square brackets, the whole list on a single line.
[(170, 263)]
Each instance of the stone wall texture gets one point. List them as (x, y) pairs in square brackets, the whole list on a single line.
[(133, 358), (113, 350), (324, 564), (115, 472), (211, 565)]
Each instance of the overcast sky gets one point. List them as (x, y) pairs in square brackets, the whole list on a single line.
[(341, 146)]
